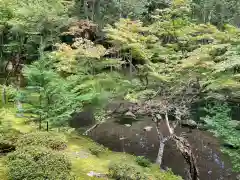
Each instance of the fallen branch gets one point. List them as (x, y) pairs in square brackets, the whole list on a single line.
[(91, 128), (186, 151), (97, 124)]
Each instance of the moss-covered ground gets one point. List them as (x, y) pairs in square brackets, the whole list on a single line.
[(83, 161)]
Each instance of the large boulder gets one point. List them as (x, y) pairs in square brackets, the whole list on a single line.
[(82, 119), (189, 123)]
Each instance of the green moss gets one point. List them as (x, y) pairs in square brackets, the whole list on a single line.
[(8, 115), (78, 151), (3, 169)]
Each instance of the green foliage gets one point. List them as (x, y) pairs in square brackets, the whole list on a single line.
[(72, 77), (217, 12), (168, 175), (142, 161), (11, 92), (219, 122), (8, 138), (8, 135), (36, 162), (163, 52), (46, 139), (97, 149), (27, 25), (103, 13), (126, 171)]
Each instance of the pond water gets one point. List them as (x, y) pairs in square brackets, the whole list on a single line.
[(213, 165)]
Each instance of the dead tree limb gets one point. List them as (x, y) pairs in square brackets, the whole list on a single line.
[(186, 151), (99, 123)]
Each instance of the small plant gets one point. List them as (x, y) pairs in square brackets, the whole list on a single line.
[(97, 149), (35, 162), (167, 175), (142, 161), (44, 139), (123, 171)]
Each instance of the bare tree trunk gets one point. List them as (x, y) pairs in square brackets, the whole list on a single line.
[(162, 140), (183, 146), (160, 153)]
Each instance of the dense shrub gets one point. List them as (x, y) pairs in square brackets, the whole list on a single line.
[(97, 149), (9, 134), (8, 138), (123, 171), (167, 175), (46, 139), (142, 161), (10, 91), (38, 163)]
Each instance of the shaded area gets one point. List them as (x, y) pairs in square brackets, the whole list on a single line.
[(213, 165)]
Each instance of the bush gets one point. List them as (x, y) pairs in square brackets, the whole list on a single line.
[(123, 171), (38, 163), (9, 134), (46, 139), (97, 149), (11, 92), (142, 161), (8, 138), (167, 175)]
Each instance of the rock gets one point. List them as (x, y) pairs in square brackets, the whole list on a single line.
[(130, 114), (94, 174), (122, 138), (189, 123), (147, 128), (202, 127), (82, 119)]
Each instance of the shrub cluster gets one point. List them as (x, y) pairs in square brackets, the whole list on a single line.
[(46, 139), (123, 171), (167, 175), (142, 161), (37, 157), (38, 163), (8, 138), (97, 149)]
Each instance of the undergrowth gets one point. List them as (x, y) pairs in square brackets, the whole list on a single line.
[(83, 154)]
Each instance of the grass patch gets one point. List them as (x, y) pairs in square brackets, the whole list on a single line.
[(3, 169)]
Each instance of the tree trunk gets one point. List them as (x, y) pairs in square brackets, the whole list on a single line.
[(4, 95), (162, 140), (160, 153)]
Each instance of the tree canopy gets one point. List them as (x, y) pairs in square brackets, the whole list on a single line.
[(78, 53)]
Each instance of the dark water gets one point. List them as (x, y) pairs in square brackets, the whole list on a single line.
[(213, 165)]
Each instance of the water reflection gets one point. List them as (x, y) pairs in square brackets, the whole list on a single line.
[(211, 162)]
